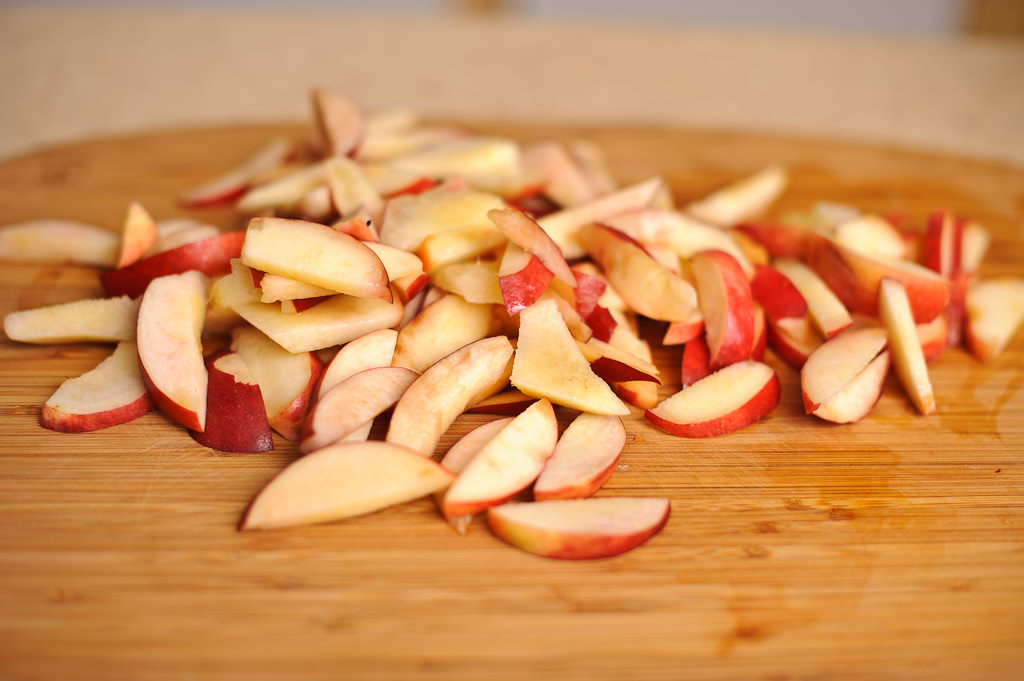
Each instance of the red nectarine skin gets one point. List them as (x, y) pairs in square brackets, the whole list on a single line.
[(695, 361), (210, 256), (589, 289), (780, 240), (756, 408), (776, 293), (734, 340), (522, 289), (614, 371), (236, 420)]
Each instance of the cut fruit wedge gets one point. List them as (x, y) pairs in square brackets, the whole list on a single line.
[(584, 458), (742, 200), (722, 402), (344, 480), (59, 242), (442, 392), (375, 349), (905, 345), (995, 310), (80, 321), (108, 395), (355, 401), (837, 362), (549, 364), (170, 326), (580, 529), (506, 465)]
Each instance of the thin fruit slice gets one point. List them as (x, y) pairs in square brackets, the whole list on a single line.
[(344, 480), (110, 394), (375, 349), (506, 465), (907, 355), (438, 330), (234, 182), (584, 458), (837, 362), (857, 397), (170, 351), (742, 200), (442, 392), (315, 254), (59, 242), (827, 312), (79, 321), (352, 403), (722, 402), (580, 529), (727, 306), (211, 256), (138, 235), (470, 444), (528, 235)]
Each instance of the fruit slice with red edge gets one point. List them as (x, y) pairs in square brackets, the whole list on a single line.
[(211, 256), (837, 362), (727, 306), (344, 480), (584, 458), (236, 181), (580, 529), (856, 398), (727, 400), (528, 235), (286, 380), (347, 406), (170, 325), (522, 278), (235, 418), (470, 444), (696, 361), (505, 466), (827, 312), (375, 349), (442, 392), (110, 394), (646, 285)]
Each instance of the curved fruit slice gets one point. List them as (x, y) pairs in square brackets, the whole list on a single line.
[(352, 403), (505, 466), (344, 480), (742, 200), (995, 310), (470, 444), (907, 354), (211, 256), (584, 458), (580, 529), (88, 320), (442, 392), (528, 235), (855, 399), (110, 394), (727, 306), (372, 350), (234, 182), (727, 400), (138, 235), (170, 351), (836, 362), (59, 241)]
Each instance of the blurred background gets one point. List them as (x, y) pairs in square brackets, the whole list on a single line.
[(934, 74), (910, 17)]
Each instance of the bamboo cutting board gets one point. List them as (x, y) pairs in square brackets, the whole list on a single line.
[(890, 548)]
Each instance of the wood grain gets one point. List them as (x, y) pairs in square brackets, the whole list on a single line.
[(891, 548)]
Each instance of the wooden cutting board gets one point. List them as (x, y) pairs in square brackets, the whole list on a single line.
[(891, 548)]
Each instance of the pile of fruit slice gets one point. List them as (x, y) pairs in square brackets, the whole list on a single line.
[(388, 265)]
